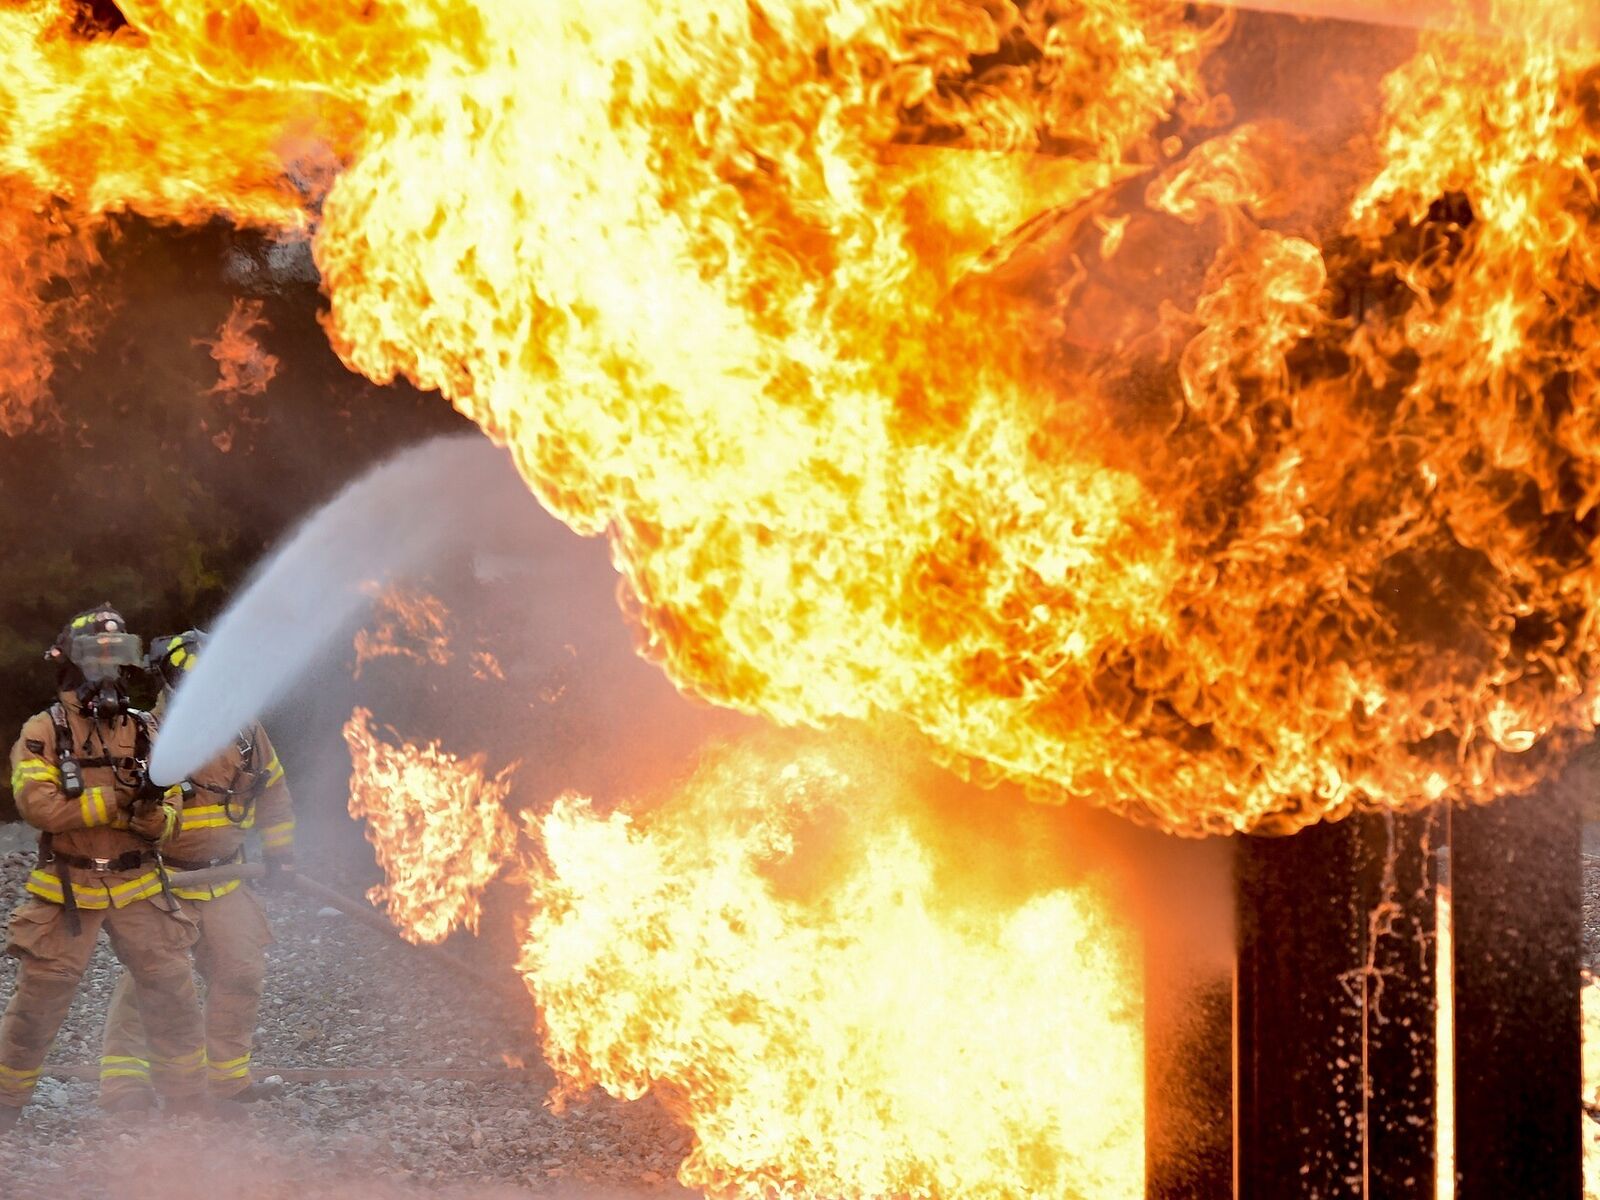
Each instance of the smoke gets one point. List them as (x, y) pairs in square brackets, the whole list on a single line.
[(276, 1162), (309, 595)]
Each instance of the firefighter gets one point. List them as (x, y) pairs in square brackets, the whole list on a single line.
[(242, 788), (78, 773)]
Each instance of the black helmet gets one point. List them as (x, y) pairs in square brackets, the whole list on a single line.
[(90, 654), (174, 654)]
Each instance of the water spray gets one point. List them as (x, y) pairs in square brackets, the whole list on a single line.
[(398, 519)]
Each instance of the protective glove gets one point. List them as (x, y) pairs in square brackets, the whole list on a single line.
[(156, 822)]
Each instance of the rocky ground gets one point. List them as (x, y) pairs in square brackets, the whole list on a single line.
[(341, 994)]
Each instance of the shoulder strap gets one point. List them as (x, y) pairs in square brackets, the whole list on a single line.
[(142, 737), (58, 718)]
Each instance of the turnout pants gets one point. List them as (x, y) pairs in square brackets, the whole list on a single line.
[(151, 943), (231, 957)]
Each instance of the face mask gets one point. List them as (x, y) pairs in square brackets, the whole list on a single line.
[(102, 657)]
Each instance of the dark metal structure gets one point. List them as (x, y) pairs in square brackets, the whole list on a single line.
[(1335, 1012), (1336, 1091), (1518, 904)]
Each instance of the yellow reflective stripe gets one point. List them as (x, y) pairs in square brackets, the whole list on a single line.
[(279, 836), (34, 770), (234, 1068), (195, 1058), (48, 888), (123, 1060), (205, 823), (206, 810), (207, 893), (124, 1072), (136, 889), (94, 807), (205, 816), (274, 771), (19, 1082)]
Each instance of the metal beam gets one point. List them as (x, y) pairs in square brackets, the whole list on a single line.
[(1334, 1006), (1517, 904)]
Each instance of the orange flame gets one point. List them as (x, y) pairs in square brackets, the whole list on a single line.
[(784, 957), (41, 249), (438, 823), (407, 623), (244, 368), (719, 276)]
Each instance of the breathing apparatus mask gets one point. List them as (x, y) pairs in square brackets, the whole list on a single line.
[(90, 656)]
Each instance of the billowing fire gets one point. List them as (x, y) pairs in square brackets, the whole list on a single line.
[(746, 287), (977, 369), (779, 953), (438, 823)]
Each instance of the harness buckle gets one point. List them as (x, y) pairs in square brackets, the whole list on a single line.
[(101, 864)]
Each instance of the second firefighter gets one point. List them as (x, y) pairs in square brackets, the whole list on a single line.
[(241, 789)]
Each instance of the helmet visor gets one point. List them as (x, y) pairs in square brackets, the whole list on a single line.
[(102, 656)]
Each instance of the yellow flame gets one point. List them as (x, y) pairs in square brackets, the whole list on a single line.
[(850, 323), (438, 824), (831, 1001)]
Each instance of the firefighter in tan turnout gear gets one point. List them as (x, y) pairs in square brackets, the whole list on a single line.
[(78, 773), (241, 789)]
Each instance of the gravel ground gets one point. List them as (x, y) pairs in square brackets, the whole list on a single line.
[(341, 994)]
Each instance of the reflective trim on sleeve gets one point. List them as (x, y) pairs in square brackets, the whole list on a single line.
[(274, 772), (34, 770), (95, 807), (279, 836)]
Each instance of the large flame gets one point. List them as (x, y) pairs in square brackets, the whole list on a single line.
[(833, 1003), (968, 368), (746, 287), (438, 824)]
